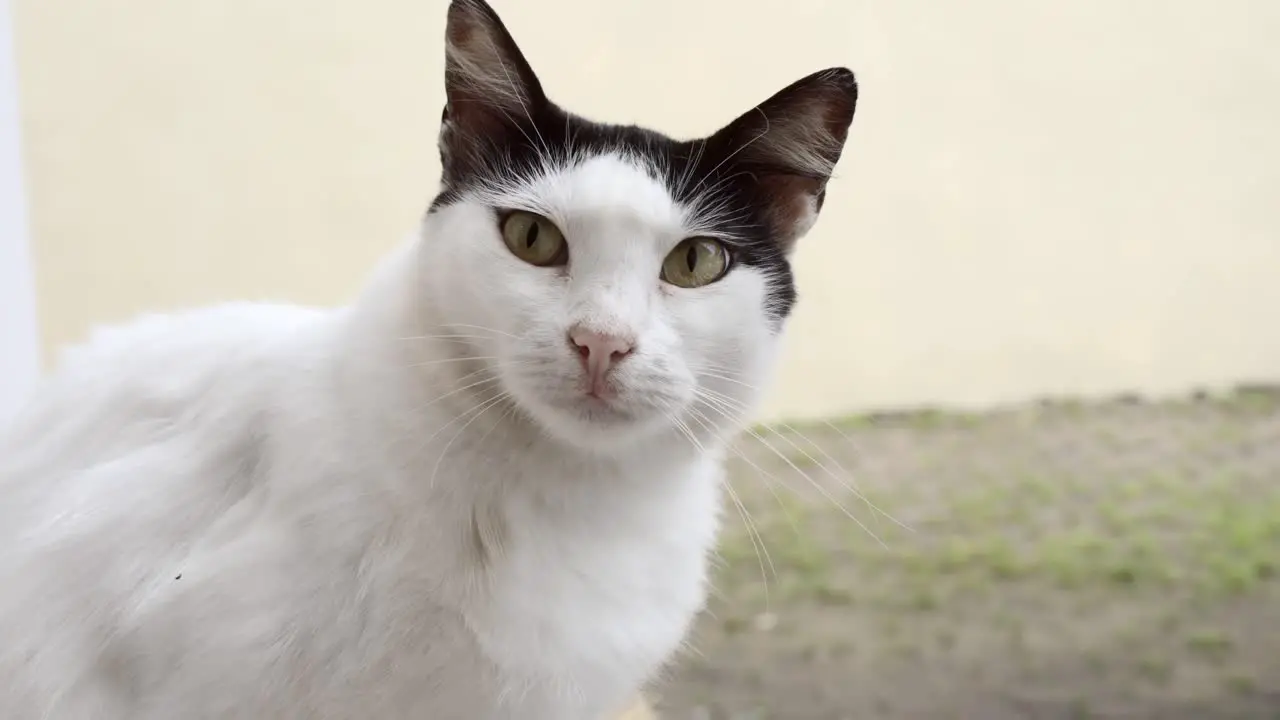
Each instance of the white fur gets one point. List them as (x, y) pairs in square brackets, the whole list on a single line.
[(405, 508)]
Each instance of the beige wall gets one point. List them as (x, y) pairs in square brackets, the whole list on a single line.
[(1038, 197)]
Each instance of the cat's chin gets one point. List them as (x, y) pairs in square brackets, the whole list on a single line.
[(594, 425)]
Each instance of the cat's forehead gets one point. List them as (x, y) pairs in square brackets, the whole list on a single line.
[(567, 167), (616, 186)]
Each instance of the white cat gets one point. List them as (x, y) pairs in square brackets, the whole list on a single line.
[(487, 489)]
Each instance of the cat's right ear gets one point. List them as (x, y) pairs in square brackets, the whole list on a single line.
[(491, 91)]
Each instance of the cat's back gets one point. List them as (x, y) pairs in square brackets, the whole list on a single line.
[(149, 380), (143, 438)]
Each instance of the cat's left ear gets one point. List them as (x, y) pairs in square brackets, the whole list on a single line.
[(790, 144), (492, 93)]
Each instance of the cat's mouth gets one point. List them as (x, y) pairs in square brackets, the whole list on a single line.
[(598, 391), (600, 406)]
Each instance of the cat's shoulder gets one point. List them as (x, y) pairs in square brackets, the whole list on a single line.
[(160, 365), (170, 347), (191, 332)]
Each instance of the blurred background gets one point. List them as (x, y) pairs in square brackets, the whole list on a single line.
[(1022, 459)]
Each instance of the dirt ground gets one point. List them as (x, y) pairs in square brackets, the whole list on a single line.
[(1115, 559)]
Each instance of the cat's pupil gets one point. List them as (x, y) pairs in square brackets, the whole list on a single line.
[(691, 257), (531, 236)]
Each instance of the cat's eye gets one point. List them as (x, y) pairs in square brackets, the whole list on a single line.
[(534, 239), (696, 262)]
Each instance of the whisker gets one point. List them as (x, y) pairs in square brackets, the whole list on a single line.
[(815, 484), (440, 361), (691, 165), (423, 442), (483, 328), (845, 479), (767, 476), (753, 531), (852, 481), (757, 542), (446, 337), (726, 378), (687, 432), (438, 398), (707, 365), (506, 413), (483, 408)]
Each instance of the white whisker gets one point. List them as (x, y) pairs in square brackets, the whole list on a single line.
[(440, 361), (767, 476), (852, 485), (845, 478), (753, 532), (815, 484), (482, 409), (446, 337), (438, 398), (483, 328)]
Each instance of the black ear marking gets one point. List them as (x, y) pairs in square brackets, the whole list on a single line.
[(493, 94)]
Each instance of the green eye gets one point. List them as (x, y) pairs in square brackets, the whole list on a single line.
[(696, 262), (534, 239)]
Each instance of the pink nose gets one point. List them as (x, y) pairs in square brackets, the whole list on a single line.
[(598, 352)]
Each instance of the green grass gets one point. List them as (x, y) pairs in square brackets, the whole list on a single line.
[(1210, 645), (1153, 532)]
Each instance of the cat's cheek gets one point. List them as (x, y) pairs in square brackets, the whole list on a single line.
[(514, 297)]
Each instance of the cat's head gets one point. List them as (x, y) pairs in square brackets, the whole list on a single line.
[(626, 282)]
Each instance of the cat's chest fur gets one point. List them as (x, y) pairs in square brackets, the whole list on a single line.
[(599, 591), (574, 581)]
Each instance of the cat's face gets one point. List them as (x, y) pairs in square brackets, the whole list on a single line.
[(618, 282)]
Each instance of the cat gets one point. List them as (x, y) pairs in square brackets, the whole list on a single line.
[(487, 488)]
